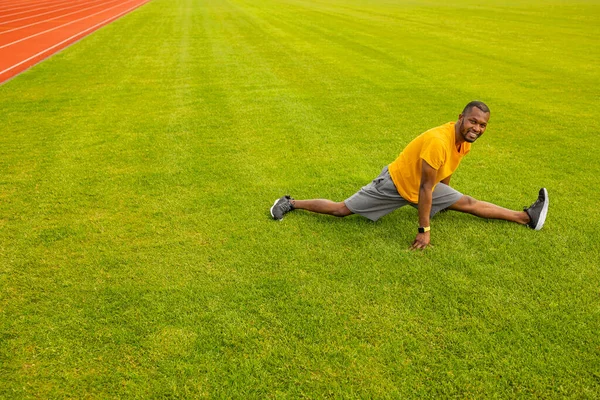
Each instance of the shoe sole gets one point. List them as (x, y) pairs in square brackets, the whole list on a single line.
[(544, 212), (271, 211)]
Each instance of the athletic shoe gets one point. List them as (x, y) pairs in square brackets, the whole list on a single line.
[(281, 206), (538, 211)]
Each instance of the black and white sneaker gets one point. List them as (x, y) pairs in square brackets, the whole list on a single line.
[(538, 211), (281, 206)]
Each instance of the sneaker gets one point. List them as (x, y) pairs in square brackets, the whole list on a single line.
[(281, 206), (538, 211)]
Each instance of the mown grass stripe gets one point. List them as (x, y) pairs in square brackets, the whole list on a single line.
[(138, 259)]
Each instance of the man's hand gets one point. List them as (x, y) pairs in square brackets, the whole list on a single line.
[(421, 241), (428, 174)]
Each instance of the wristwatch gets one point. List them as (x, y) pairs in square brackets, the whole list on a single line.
[(424, 229)]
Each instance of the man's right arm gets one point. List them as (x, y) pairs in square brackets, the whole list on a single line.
[(428, 175)]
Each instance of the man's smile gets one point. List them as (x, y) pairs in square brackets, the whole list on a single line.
[(472, 135)]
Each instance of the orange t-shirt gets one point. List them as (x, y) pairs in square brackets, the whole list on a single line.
[(437, 147)]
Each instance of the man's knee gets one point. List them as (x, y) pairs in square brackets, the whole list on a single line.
[(465, 204), (341, 210), (471, 202)]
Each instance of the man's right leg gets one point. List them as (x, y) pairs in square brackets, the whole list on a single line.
[(323, 206), (286, 204), (373, 201)]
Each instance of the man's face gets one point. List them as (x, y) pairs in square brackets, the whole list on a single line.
[(472, 124)]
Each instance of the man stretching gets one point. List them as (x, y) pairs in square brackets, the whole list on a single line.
[(420, 177)]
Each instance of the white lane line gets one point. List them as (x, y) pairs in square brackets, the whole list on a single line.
[(47, 12), (14, 5), (11, 5), (60, 16), (63, 25), (46, 6), (74, 36), (13, 2), (35, 7)]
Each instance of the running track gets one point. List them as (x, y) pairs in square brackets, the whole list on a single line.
[(33, 30)]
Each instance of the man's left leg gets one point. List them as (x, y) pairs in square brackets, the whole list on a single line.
[(533, 216), (483, 209)]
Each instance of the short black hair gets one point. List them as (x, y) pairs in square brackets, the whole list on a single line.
[(476, 103)]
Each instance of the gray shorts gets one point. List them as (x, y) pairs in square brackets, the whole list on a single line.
[(381, 197)]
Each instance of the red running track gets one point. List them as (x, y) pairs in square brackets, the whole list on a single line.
[(33, 30)]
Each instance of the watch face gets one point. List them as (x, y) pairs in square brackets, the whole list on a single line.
[(421, 230)]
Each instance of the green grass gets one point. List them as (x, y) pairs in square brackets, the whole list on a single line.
[(137, 167)]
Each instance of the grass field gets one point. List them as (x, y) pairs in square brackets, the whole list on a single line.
[(138, 258)]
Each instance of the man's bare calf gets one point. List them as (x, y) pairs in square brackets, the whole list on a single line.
[(483, 209), (323, 206)]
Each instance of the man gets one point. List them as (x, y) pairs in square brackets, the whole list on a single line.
[(420, 177)]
